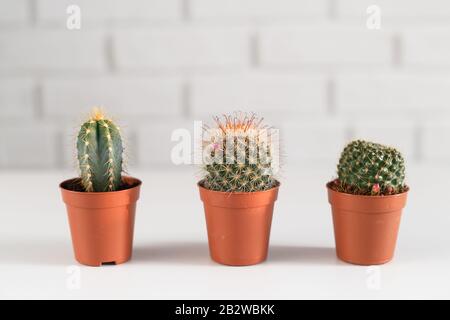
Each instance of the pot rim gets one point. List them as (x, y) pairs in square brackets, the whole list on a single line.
[(399, 195), (138, 184), (199, 184)]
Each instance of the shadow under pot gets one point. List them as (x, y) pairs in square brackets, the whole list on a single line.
[(238, 225), (366, 227), (101, 223)]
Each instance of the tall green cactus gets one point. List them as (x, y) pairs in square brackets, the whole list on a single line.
[(367, 168), (100, 152), (239, 157)]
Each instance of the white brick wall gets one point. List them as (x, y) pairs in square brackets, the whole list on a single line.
[(14, 11), (16, 98), (51, 50), (186, 48), (324, 45), (310, 67), (312, 140), (258, 9), (399, 133), (394, 9), (51, 11), (125, 97), (264, 93), (410, 95), (154, 143), (435, 141), (26, 145), (429, 47)]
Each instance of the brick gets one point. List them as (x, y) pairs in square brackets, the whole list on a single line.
[(313, 139), (324, 45), (266, 94), (28, 145), (416, 9), (42, 50), (16, 98), (154, 145), (14, 11), (392, 93), (124, 97), (110, 10), (435, 139), (66, 140), (257, 9), (429, 47), (396, 133), (187, 48)]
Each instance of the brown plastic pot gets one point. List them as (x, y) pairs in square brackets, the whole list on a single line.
[(238, 225), (102, 223), (366, 227)]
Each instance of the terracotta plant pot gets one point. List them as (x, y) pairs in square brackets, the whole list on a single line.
[(238, 225), (366, 227), (102, 223)]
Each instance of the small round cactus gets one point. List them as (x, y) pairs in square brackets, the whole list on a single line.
[(238, 155), (100, 152), (367, 168)]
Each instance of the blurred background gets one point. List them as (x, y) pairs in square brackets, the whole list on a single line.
[(317, 69)]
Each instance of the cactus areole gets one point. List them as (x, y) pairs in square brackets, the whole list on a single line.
[(239, 189), (367, 168), (367, 202), (101, 203), (238, 155), (100, 152)]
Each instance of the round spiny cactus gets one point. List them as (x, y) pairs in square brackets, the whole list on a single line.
[(238, 155), (367, 168), (100, 152)]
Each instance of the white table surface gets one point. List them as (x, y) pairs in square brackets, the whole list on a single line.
[(171, 258)]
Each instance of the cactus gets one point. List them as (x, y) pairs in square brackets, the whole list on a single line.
[(100, 152), (367, 168), (238, 155)]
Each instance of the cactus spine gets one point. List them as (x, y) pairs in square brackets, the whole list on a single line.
[(100, 152), (367, 168), (239, 156)]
